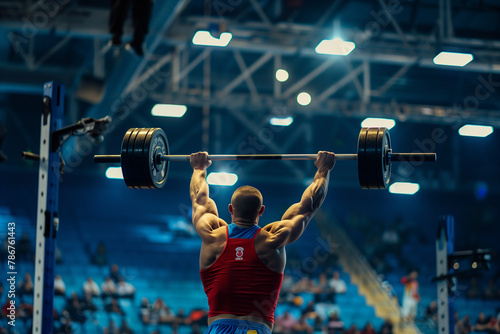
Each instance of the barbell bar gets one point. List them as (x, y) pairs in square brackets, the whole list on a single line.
[(224, 157), (144, 158)]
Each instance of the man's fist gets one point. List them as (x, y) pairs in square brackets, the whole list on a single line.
[(200, 160), (325, 160)]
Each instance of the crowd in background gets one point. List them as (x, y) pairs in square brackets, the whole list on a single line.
[(321, 314)]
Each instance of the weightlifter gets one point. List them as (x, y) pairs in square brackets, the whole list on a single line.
[(241, 264)]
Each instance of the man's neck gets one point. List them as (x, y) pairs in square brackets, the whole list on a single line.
[(244, 224)]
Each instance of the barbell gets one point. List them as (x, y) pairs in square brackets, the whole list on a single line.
[(145, 158)]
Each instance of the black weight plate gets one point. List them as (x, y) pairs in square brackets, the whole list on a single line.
[(127, 157), (138, 159), (362, 158), (383, 165), (372, 158), (158, 170), (146, 162)]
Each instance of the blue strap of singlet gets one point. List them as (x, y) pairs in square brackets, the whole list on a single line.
[(236, 232)]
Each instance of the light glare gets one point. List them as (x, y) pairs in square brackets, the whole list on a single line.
[(335, 46), (475, 130), (453, 59), (203, 37), (222, 179), (168, 110), (303, 99), (378, 123), (114, 173), (281, 75), (281, 121), (405, 188)]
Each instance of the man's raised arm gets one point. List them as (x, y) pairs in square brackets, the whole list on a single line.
[(204, 209), (295, 220)]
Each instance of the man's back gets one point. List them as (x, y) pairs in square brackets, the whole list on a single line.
[(242, 265), (238, 282)]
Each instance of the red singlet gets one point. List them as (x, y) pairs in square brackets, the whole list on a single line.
[(238, 282)]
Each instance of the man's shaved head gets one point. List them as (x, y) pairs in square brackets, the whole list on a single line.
[(246, 202)]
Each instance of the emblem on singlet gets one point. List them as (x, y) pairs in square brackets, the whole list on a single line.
[(239, 253)]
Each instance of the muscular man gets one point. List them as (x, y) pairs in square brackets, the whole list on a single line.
[(241, 264)]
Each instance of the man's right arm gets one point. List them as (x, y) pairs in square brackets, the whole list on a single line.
[(297, 217)]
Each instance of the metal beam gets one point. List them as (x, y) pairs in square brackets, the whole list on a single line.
[(257, 7), (396, 25), (309, 77), (402, 71), (248, 79), (417, 113), (236, 81), (339, 84)]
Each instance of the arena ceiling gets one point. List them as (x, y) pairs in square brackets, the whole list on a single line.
[(231, 92)]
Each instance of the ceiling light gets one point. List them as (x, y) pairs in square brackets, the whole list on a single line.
[(114, 173), (405, 188), (378, 123), (281, 121), (222, 179), (203, 37), (303, 99), (281, 75), (475, 130), (335, 46), (453, 59), (168, 110)]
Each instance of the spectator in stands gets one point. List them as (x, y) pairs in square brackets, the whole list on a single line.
[(462, 326), (59, 286), (23, 249), (100, 257), (491, 291), (485, 324), (336, 283), (74, 309), (161, 313), (411, 296), (111, 328), (305, 284), (26, 286), (368, 329), (87, 305), (125, 290), (284, 323), (66, 326), (301, 326), (180, 319), (108, 288), (197, 318), (114, 307), (125, 328), (115, 274), (474, 290), (145, 311), (286, 294), (324, 293), (387, 327), (91, 287), (431, 314), (391, 240), (334, 324)]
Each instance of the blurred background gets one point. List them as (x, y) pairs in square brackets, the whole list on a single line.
[(246, 77)]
